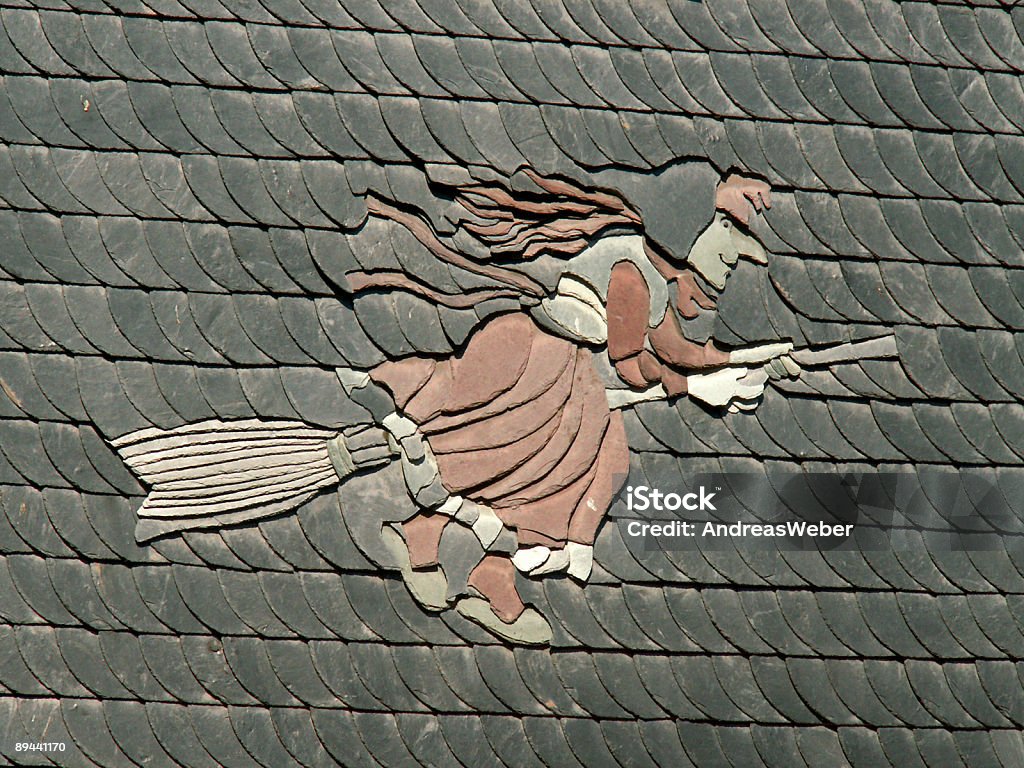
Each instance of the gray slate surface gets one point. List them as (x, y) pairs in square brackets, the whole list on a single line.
[(181, 190)]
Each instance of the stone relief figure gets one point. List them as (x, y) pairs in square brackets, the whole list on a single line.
[(510, 451)]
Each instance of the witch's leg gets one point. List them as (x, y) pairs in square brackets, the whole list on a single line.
[(577, 556)]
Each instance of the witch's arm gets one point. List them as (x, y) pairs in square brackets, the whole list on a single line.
[(629, 332)]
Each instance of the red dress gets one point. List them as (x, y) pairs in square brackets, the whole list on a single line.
[(519, 421)]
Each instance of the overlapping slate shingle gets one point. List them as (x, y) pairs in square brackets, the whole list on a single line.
[(182, 192)]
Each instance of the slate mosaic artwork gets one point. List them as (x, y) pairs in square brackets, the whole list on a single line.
[(286, 286)]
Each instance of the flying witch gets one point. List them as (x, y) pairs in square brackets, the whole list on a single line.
[(512, 449)]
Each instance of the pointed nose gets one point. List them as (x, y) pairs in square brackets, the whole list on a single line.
[(747, 247)]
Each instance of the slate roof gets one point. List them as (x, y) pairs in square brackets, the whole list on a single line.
[(178, 184)]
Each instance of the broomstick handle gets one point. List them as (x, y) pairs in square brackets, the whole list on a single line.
[(871, 349)]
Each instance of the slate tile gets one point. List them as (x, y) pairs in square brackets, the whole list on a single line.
[(932, 689), (17, 677), (979, 428), (846, 619), (964, 681), (898, 424), (21, 391), (376, 669), (443, 14), (210, 550), (192, 48), (273, 47), (335, 666), (820, 747), (121, 597), (337, 732), (172, 727), (649, 608), (214, 729), (994, 567), (660, 740), (537, 670), (85, 251), (13, 60), (1002, 687), (701, 743), (43, 265), (195, 108), (44, 723), (39, 649), (35, 169), (424, 625), (202, 173), (935, 423), (69, 98), (152, 107), (230, 44), (432, 67), (964, 32), (421, 671), (34, 108), (159, 592), (847, 679), (28, 517), (161, 664), (207, 659), (247, 118), (283, 593), (526, 128), (569, 606), (313, 51), (256, 733), (328, 600), (484, 129), (204, 596), (921, 613), (1007, 745), (925, 24), (979, 158), (105, 35), (997, 30), (890, 683), (383, 739), (468, 742), (166, 178), (86, 723), (294, 727), (249, 546), (82, 653), (546, 736), (48, 307), (245, 184), (581, 679), (245, 595), (424, 739), (976, 748), (364, 595), (247, 661), (776, 28)]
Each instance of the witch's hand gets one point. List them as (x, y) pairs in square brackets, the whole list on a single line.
[(736, 386)]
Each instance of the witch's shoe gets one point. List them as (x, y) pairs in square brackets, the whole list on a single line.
[(428, 586), (530, 628), (495, 603)]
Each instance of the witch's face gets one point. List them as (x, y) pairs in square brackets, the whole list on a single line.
[(718, 249)]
